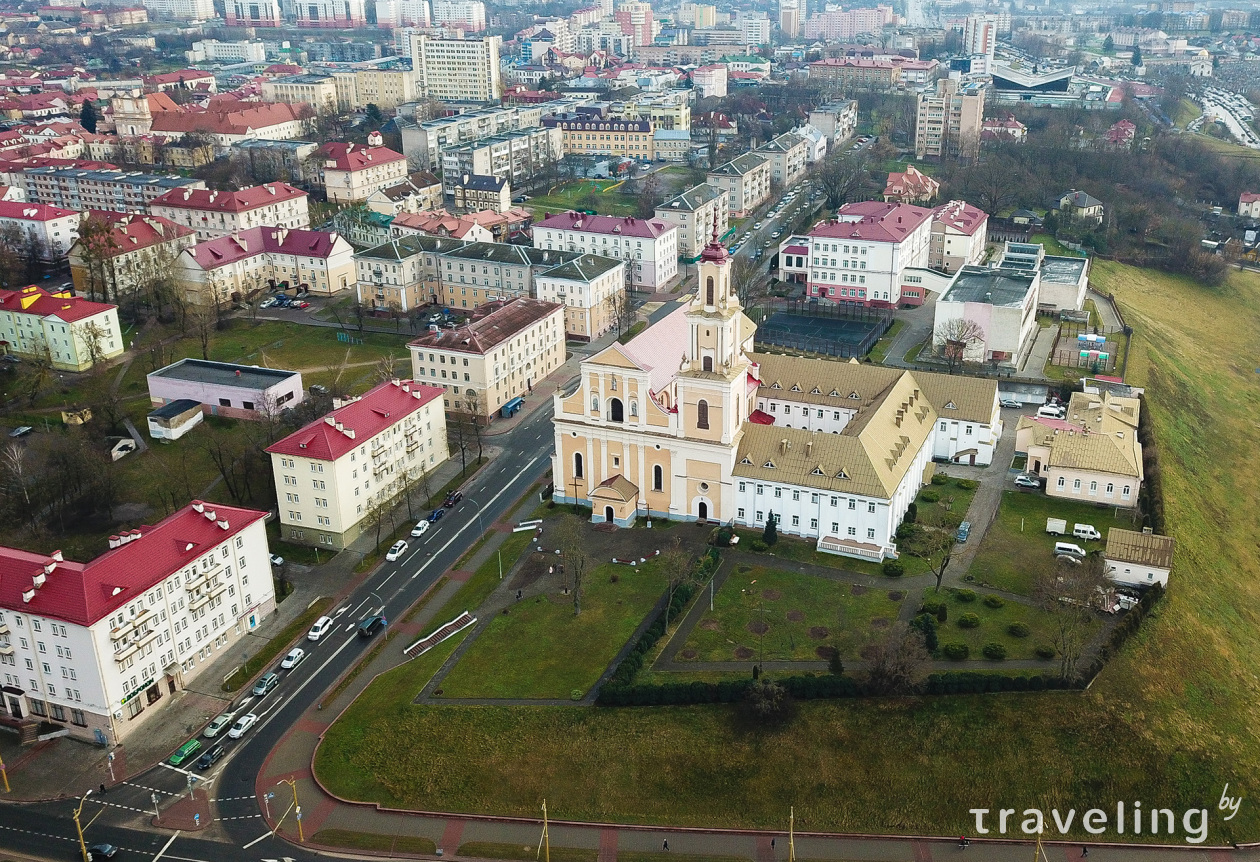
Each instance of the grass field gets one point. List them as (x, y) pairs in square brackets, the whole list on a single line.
[(1169, 721), (803, 551), (1017, 542), (880, 350), (539, 649), (576, 195), (801, 614), (1185, 113), (993, 626), (1053, 246)]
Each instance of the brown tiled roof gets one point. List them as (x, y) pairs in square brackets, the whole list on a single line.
[(1145, 549), (502, 321)]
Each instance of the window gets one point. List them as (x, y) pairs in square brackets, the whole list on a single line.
[(577, 465), (778, 492), (796, 520), (870, 532), (835, 526), (870, 508), (658, 479), (853, 504), (1076, 484), (1111, 489), (1062, 483), (1093, 487), (702, 414), (1125, 492), (740, 514)]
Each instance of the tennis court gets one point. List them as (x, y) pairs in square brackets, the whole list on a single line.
[(839, 331)]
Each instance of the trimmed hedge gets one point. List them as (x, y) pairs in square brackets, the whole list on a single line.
[(993, 601), (969, 682), (1018, 630), (930, 495), (955, 651), (1046, 652), (893, 568), (994, 651), (969, 621), (967, 484), (940, 479), (965, 595)]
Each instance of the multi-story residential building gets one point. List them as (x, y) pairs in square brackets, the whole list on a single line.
[(137, 623), (959, 234), (857, 72), (746, 179), (650, 246), (329, 14), (403, 13), (118, 255), (238, 266), (227, 389), (317, 90), (700, 213), (330, 474), (670, 145), (584, 134), (72, 334), (181, 10), (709, 81), (386, 83), (1092, 454), (788, 155), (79, 189), (284, 160), (592, 290), (636, 18), (1002, 306), (213, 213), (469, 15), (754, 28), (836, 120), (214, 51), (473, 274), (686, 55), (400, 275), (861, 256), (980, 34), (517, 156), (475, 192), (835, 25), (790, 17), (947, 123), (666, 110), (419, 192), (495, 359), (253, 13), (452, 70), (423, 142), (353, 172), (47, 231)]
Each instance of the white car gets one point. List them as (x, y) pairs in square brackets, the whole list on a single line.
[(399, 548), (419, 529), (293, 659), (277, 560), (321, 627), (243, 724)]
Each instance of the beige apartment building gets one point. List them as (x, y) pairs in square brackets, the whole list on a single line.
[(592, 290), (453, 70), (385, 87), (632, 139), (696, 213), (947, 123), (240, 266), (319, 91), (353, 173), (212, 213), (788, 155), (746, 179), (401, 274), (509, 346), (331, 473)]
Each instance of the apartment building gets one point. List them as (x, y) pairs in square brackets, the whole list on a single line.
[(592, 290), (419, 192), (837, 120), (329, 14), (121, 253), (214, 213), (214, 51), (948, 122), (317, 90), (80, 189), (861, 256), (424, 142), (330, 473), (588, 135), (253, 13), (664, 110), (94, 647), (789, 157), (477, 273), (650, 246), (72, 333), (495, 359), (47, 231), (516, 155), (959, 234), (353, 172), (452, 70), (857, 72), (400, 275), (242, 264), (180, 10), (836, 25), (746, 179), (385, 83), (476, 192), (700, 213), (467, 15)]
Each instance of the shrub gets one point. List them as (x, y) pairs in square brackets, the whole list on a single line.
[(994, 651), (893, 568), (758, 546), (912, 513), (931, 606), (1017, 630), (930, 495), (955, 651), (967, 484), (835, 664), (926, 623), (965, 595), (614, 578), (940, 479), (993, 601), (1046, 652), (969, 621)]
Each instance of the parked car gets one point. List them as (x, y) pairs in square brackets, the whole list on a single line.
[(964, 532), (243, 724), (419, 529), (301, 304), (210, 757), (321, 627), (303, 294), (187, 750), (436, 515), (1011, 403), (267, 303), (319, 389), (9, 357), (452, 499), (215, 727), (293, 659), (1069, 549), (396, 550), (1023, 480), (21, 431), (277, 560), (266, 683), (371, 626), (101, 851)]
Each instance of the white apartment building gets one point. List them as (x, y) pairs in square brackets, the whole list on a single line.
[(452, 70), (253, 13), (402, 13), (651, 245), (317, 90), (862, 255), (73, 333), (754, 28), (214, 51), (591, 289), (746, 179), (423, 142), (214, 213), (393, 275), (495, 359), (516, 156), (49, 230), (467, 15), (788, 155), (330, 473), (353, 172), (700, 213), (96, 646), (241, 265), (81, 189), (181, 10)]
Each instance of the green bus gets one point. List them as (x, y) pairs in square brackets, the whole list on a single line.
[(187, 750)]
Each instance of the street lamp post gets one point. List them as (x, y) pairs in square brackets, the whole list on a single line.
[(296, 807), (79, 827), (482, 525)]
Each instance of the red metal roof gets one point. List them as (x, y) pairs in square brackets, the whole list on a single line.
[(217, 201), (83, 593), (353, 157), (133, 231), (357, 422), (873, 221), (32, 212), (258, 240), (33, 299), (602, 224), (759, 417)]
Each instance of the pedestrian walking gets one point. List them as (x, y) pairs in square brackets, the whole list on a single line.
[(1084, 852), (665, 844), (102, 788), (771, 843)]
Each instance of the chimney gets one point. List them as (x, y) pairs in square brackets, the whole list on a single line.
[(198, 506), (114, 542), (28, 595), (223, 525), (39, 579)]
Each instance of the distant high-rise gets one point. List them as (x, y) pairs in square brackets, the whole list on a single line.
[(791, 13), (456, 69)]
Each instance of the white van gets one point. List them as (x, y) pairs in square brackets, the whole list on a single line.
[(1051, 411), (1067, 549), (1086, 531)]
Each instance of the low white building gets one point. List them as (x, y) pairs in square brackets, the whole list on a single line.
[(95, 647), (1138, 559), (649, 245), (73, 333), (1002, 305), (49, 230), (214, 214)]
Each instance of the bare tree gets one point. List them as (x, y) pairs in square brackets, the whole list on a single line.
[(620, 312), (931, 545), (570, 537), (1071, 591), (387, 367), (204, 319), (747, 282), (336, 383), (93, 336), (841, 177), (39, 361), (676, 562), (953, 337), (897, 662), (15, 469)]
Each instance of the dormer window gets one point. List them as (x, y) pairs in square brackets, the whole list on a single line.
[(768, 465), (842, 475), (855, 396)]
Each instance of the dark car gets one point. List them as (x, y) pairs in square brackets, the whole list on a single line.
[(102, 851), (210, 757), (452, 499), (436, 515), (371, 626)]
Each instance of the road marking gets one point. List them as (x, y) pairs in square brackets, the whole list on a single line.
[(177, 769), (386, 581), (166, 846), (263, 722), (266, 834), (349, 627), (151, 789)]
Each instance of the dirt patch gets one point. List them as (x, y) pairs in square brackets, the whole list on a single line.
[(881, 623), (710, 625), (825, 652), (742, 569), (532, 570), (771, 595), (796, 616), (757, 627), (688, 655), (857, 590), (819, 633), (743, 652), (896, 595)]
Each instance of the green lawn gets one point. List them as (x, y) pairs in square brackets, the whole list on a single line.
[(1017, 544), (1185, 113), (575, 194), (539, 649), (801, 615), (1053, 246), (993, 626), (803, 551), (370, 841), (880, 350), (949, 510)]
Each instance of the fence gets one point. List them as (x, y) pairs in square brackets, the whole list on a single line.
[(880, 321), (1066, 351)]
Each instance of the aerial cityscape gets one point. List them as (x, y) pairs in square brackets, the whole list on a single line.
[(626, 430)]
